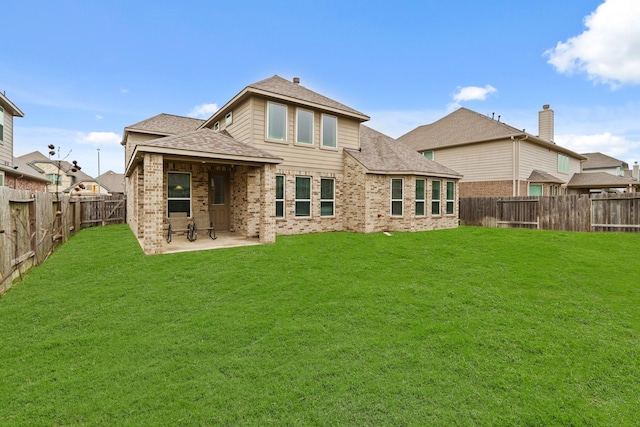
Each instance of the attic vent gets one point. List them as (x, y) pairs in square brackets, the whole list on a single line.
[(296, 80)]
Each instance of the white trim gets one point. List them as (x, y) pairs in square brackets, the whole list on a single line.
[(309, 200), (322, 144), (2, 176), (401, 199), (284, 196), (333, 200), (313, 122), (423, 200), (439, 201), (228, 119), (180, 198), (447, 199), (286, 122)]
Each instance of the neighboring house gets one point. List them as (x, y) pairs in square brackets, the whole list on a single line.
[(61, 175), (13, 173), (497, 159), (602, 173), (280, 159), (112, 182), (598, 162)]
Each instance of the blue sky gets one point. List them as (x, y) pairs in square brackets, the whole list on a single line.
[(83, 70)]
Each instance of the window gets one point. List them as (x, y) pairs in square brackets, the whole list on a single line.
[(1, 124), (428, 154), (327, 197), (279, 196), (563, 163), (435, 198), (420, 196), (178, 192), (451, 197), (304, 127), (303, 196), (329, 131), (216, 126), (535, 189), (619, 171), (554, 190), (1, 178), (54, 178), (228, 119), (276, 121), (397, 199)]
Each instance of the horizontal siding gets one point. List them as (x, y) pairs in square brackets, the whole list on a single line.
[(6, 145), (136, 138), (534, 156), (240, 128), (297, 157), (479, 162)]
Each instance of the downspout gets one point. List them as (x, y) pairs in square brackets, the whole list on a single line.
[(516, 163)]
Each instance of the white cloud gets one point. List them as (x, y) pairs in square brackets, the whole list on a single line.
[(123, 90), (203, 111), (98, 138), (615, 146), (608, 51), (473, 93), (99, 117)]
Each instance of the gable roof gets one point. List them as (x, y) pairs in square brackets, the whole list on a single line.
[(542, 176), (35, 157), (599, 180), (382, 154), (276, 87), (114, 182), (465, 126), (164, 124), (20, 168), (599, 161), (6, 104), (204, 143)]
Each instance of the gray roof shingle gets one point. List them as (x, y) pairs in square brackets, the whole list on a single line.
[(166, 124), (542, 176), (599, 161), (383, 154), (599, 180)]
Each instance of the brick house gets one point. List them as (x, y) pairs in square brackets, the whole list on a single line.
[(280, 159), (495, 158)]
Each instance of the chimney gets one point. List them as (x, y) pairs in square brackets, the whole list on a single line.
[(636, 172), (296, 80), (545, 123)]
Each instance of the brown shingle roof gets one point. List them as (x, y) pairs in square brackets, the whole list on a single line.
[(114, 182), (166, 124), (383, 154), (210, 144), (465, 126), (542, 176), (599, 161), (599, 180)]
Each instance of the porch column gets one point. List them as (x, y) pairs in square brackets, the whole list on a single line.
[(268, 204), (153, 204)]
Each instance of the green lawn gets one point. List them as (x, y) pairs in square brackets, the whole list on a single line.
[(471, 326)]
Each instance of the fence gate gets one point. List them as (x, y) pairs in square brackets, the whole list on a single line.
[(104, 210), (523, 213)]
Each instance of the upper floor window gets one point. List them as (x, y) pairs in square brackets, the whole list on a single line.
[(420, 196), (54, 178), (428, 154), (1, 124), (327, 197), (435, 198), (228, 119), (276, 121), (1, 178), (279, 196), (451, 197), (216, 126), (397, 197), (619, 171), (304, 127), (329, 131), (563, 163)]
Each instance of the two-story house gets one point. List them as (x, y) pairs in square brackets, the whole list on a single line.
[(497, 159), (278, 159), (14, 174)]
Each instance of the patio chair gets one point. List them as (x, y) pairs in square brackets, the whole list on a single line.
[(204, 223), (179, 223)]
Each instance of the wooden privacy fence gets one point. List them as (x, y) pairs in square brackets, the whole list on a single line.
[(33, 225), (603, 212)]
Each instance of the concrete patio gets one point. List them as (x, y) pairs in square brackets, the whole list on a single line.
[(225, 239)]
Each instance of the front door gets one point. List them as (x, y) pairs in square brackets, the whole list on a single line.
[(219, 200)]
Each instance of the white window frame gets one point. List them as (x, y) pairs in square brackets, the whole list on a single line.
[(322, 132), (536, 185), (563, 163), (436, 202), (181, 198), (396, 199), (332, 200), (298, 200), (421, 199), (451, 201), (268, 124), (1, 124), (284, 195), (313, 119), (216, 126), (1, 178), (429, 154), (228, 119)]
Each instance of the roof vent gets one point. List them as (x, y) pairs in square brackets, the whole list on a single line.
[(296, 80)]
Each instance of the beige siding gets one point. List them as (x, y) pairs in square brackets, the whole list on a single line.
[(241, 126), (298, 157), (6, 145), (533, 156), (132, 140), (479, 162)]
